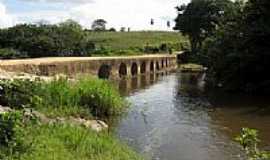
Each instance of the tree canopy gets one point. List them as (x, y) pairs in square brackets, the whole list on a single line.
[(64, 39), (236, 50), (99, 25), (199, 19)]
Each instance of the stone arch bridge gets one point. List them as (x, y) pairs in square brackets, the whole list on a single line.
[(103, 67)]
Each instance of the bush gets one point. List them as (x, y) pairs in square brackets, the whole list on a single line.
[(151, 49), (11, 134), (248, 139), (8, 125), (18, 93), (8, 53), (112, 30)]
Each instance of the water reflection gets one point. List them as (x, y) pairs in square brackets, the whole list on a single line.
[(130, 85), (172, 118)]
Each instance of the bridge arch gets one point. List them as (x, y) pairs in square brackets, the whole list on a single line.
[(143, 67), (104, 71), (166, 62), (122, 70), (134, 69), (157, 65), (152, 66), (162, 63)]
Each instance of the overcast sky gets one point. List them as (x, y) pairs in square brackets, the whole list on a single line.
[(135, 14)]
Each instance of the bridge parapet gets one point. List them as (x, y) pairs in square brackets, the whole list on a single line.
[(103, 67)]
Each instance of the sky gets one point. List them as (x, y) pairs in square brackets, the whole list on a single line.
[(135, 14)]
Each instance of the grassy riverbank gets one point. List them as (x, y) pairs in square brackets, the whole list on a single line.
[(27, 137), (62, 142), (61, 97)]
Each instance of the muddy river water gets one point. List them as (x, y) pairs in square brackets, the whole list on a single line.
[(171, 117)]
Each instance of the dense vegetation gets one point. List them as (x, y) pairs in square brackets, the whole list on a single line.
[(29, 40), (249, 140), (231, 39), (70, 39), (25, 136), (63, 97)]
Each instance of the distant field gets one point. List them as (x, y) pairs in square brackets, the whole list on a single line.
[(136, 41)]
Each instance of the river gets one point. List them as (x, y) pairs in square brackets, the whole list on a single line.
[(171, 117)]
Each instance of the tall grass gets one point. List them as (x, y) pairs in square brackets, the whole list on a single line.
[(62, 142), (61, 97), (23, 139), (99, 96), (65, 142)]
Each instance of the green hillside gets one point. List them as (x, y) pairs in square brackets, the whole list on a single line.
[(136, 42)]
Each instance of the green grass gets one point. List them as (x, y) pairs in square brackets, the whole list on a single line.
[(63, 142), (135, 42), (60, 97), (26, 138)]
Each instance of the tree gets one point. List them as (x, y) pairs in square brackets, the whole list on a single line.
[(122, 29), (64, 39), (99, 25), (71, 24), (112, 30), (238, 52), (199, 19)]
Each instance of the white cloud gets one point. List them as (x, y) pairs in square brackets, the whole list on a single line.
[(128, 13), (135, 14), (5, 19), (49, 16), (59, 1)]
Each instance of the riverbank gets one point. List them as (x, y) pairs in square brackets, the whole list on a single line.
[(54, 119)]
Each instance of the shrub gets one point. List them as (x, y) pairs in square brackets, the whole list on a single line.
[(99, 95), (248, 139), (17, 93), (112, 30), (151, 49), (8, 53), (164, 47), (11, 134)]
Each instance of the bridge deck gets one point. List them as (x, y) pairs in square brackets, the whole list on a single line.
[(49, 60)]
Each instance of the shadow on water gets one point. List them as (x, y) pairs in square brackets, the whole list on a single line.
[(172, 117), (130, 85)]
